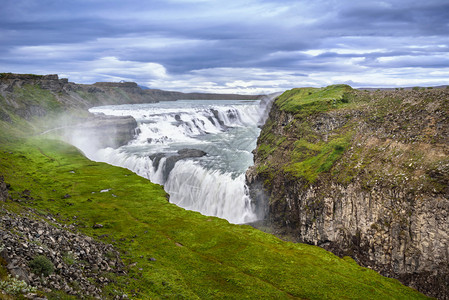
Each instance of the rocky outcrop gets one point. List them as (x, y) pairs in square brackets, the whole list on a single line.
[(172, 158), (9, 81), (46, 96), (81, 265), (36, 95), (4, 195), (367, 179)]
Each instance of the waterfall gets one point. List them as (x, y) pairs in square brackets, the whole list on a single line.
[(210, 192), (199, 151)]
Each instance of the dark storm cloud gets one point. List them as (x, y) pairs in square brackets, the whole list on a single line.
[(426, 17), (251, 45)]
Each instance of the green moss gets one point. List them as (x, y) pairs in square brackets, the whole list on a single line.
[(269, 141), (264, 150), (90, 97), (309, 160), (34, 95), (197, 257), (271, 144), (307, 101)]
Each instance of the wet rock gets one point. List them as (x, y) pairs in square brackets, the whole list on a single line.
[(190, 153), (156, 158), (172, 159), (217, 118)]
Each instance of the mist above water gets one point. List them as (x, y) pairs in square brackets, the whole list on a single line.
[(199, 151)]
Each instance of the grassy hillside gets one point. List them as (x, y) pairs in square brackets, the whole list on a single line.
[(171, 252), (350, 134)]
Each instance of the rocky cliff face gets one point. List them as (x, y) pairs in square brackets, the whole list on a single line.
[(363, 174), (16, 89), (47, 97)]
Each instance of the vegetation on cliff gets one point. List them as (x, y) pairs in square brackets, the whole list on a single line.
[(307, 154), (84, 96), (170, 252), (307, 101), (318, 126), (362, 173)]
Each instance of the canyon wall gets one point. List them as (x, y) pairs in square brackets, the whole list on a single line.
[(363, 174), (14, 87), (61, 106)]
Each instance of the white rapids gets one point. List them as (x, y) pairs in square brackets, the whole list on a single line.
[(212, 184)]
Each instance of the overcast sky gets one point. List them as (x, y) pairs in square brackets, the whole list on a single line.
[(255, 46)]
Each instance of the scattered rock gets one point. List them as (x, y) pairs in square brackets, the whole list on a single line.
[(78, 258), (18, 271)]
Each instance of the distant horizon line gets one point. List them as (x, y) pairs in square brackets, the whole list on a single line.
[(144, 87)]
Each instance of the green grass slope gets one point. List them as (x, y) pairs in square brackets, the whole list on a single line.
[(196, 257), (307, 101)]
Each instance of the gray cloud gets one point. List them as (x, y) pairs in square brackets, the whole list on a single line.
[(251, 46)]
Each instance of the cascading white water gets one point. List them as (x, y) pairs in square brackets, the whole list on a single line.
[(199, 151)]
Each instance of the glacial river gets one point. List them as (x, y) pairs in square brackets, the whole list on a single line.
[(199, 151)]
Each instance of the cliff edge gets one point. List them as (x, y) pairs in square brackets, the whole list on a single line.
[(14, 87), (363, 174), (61, 106)]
